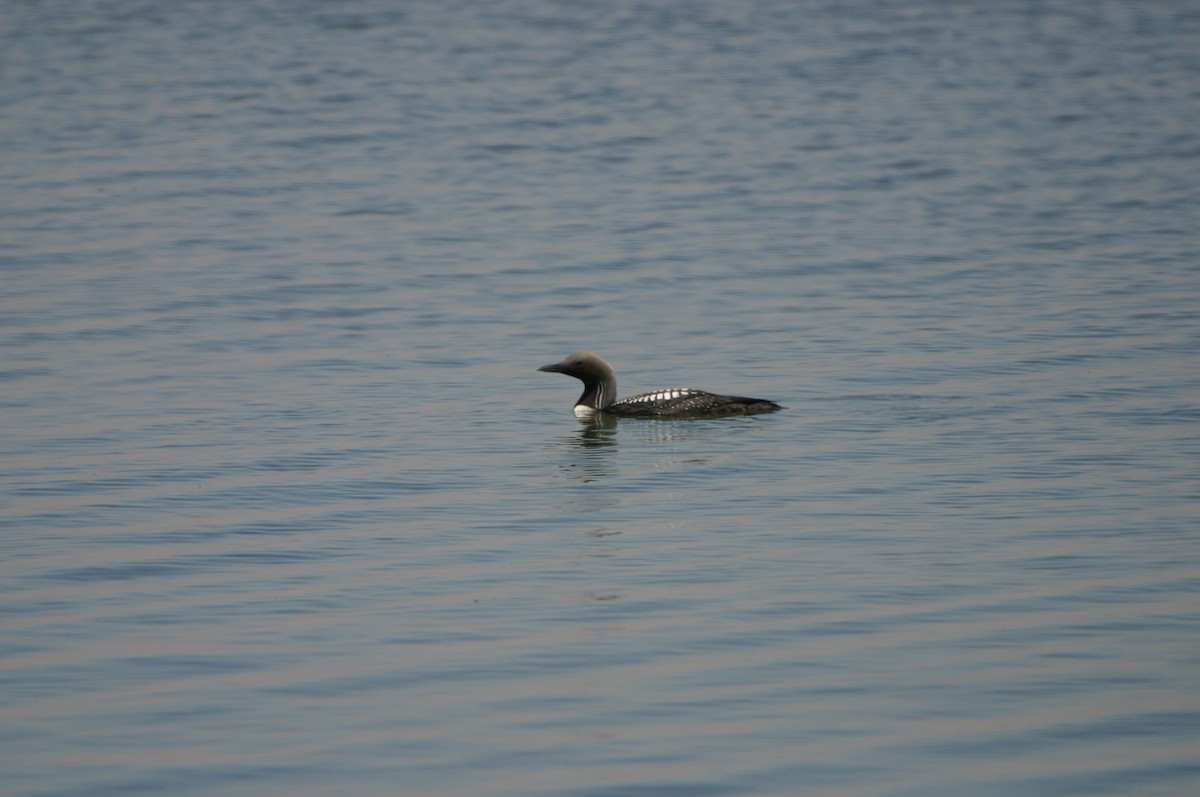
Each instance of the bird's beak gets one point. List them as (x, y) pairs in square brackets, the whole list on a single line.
[(553, 368)]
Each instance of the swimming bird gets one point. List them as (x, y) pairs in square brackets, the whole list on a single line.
[(600, 395)]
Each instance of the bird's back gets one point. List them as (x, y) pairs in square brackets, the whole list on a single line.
[(688, 402)]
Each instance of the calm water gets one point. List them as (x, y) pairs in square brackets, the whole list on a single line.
[(288, 511)]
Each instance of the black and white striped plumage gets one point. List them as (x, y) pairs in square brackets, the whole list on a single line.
[(600, 392)]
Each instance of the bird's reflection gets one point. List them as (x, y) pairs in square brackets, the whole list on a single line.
[(591, 450), (599, 431)]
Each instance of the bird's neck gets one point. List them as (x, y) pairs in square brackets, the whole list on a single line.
[(598, 393)]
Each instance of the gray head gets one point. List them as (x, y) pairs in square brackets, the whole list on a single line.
[(582, 365), (599, 382)]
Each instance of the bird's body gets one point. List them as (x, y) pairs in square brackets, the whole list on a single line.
[(600, 395)]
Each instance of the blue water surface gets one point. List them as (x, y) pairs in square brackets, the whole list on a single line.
[(286, 509)]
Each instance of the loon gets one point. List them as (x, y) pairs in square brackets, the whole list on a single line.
[(600, 394)]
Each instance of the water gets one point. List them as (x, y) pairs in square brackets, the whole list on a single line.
[(287, 509)]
